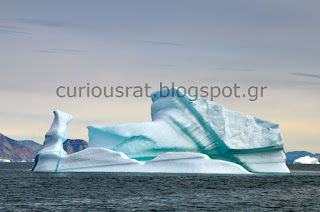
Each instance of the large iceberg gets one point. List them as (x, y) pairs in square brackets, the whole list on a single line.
[(185, 136)]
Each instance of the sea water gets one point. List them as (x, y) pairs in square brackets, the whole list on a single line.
[(23, 190)]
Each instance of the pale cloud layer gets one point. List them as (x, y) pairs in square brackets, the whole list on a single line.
[(267, 43)]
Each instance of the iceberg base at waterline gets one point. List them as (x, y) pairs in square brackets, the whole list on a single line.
[(184, 136), (105, 160)]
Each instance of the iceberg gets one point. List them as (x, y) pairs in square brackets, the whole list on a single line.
[(184, 136), (306, 160)]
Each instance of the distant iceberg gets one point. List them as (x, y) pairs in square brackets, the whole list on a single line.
[(306, 160), (184, 136)]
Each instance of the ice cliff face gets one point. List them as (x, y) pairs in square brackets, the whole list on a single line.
[(181, 125)]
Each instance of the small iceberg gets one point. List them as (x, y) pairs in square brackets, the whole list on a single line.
[(306, 160), (4, 161), (185, 136)]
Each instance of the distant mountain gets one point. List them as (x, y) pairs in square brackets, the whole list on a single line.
[(27, 149), (31, 144), (76, 145), (15, 150), (291, 156)]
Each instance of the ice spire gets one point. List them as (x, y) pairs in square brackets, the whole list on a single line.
[(57, 134)]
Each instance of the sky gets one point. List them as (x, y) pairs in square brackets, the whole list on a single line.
[(47, 44)]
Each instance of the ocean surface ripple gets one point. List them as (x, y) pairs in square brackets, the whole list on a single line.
[(22, 190)]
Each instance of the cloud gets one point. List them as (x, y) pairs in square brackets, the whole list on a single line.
[(306, 75), (7, 29), (166, 65), (22, 115), (233, 69), (44, 23), (161, 43), (59, 51)]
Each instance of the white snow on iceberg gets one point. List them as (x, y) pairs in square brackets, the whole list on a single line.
[(184, 136), (306, 160)]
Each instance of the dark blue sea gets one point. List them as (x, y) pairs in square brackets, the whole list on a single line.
[(22, 190)]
